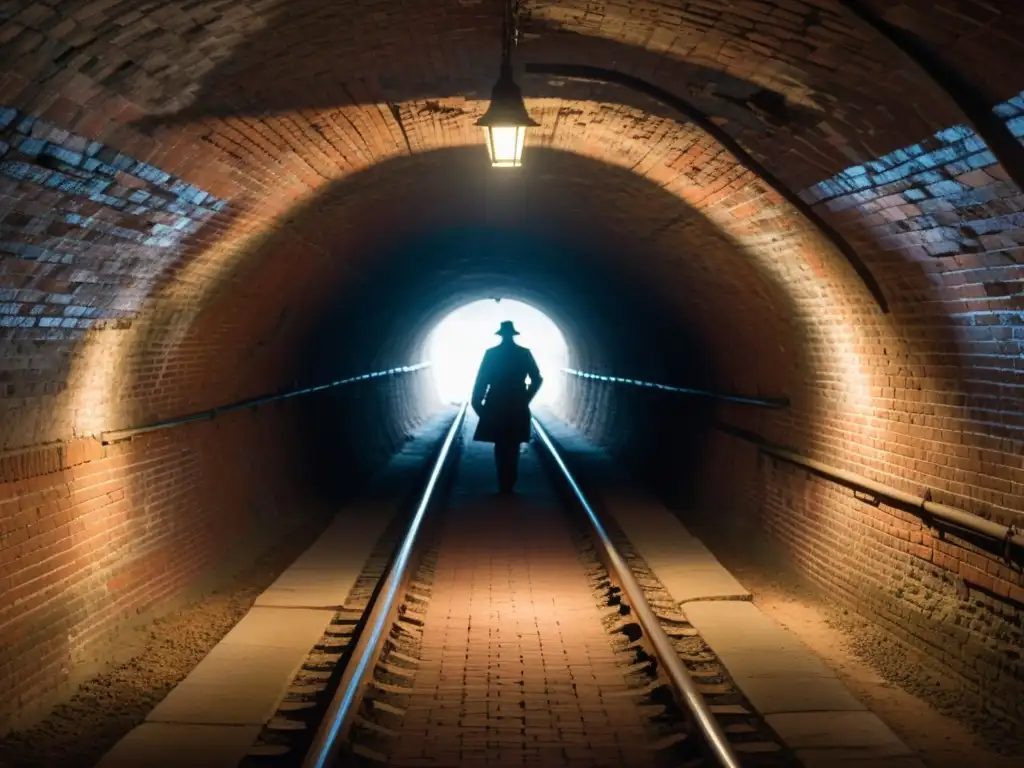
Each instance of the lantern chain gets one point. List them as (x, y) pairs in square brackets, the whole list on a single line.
[(515, 23), (510, 31)]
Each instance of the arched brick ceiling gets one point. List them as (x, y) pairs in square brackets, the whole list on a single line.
[(269, 107), (646, 243), (984, 38)]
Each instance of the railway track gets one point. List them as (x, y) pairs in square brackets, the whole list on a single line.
[(489, 632)]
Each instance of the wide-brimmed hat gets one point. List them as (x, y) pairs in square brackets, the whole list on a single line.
[(506, 329)]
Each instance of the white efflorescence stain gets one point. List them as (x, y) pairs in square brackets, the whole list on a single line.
[(457, 344)]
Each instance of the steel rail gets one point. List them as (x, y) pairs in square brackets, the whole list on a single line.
[(330, 736), (117, 435), (763, 402), (673, 667)]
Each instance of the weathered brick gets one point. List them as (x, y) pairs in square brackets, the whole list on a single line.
[(71, 564), (267, 198)]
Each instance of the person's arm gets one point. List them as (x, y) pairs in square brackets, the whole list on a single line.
[(534, 373), (480, 386)]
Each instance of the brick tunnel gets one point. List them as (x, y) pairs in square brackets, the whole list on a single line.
[(817, 203)]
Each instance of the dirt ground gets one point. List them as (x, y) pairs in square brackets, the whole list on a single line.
[(943, 724), (155, 658)]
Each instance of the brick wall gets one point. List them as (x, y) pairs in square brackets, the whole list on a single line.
[(91, 535), (959, 602)]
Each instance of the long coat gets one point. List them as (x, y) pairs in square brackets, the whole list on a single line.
[(500, 395)]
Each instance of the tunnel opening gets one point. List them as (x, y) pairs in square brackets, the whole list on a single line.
[(457, 343), (601, 321)]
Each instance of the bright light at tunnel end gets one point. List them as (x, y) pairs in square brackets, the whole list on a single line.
[(457, 344)]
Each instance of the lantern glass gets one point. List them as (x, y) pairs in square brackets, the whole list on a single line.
[(505, 145)]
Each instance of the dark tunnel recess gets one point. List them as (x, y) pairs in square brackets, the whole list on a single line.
[(607, 323)]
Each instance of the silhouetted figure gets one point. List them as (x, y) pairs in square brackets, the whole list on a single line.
[(501, 399)]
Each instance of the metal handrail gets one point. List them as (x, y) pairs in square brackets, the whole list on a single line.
[(677, 673), (116, 435), (1006, 534), (776, 402), (339, 716)]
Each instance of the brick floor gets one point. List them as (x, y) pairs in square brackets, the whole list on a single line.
[(516, 667)]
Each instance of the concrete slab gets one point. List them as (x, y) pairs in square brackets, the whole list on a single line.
[(844, 734), (773, 669), (233, 685), (250, 701), (316, 588), (737, 626), (294, 628), (684, 565), (778, 665), (164, 745), (772, 695)]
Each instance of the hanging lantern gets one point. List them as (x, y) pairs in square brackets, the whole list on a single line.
[(505, 122), (506, 119)]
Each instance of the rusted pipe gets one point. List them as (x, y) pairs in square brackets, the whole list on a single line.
[(117, 435), (762, 402), (987, 528)]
